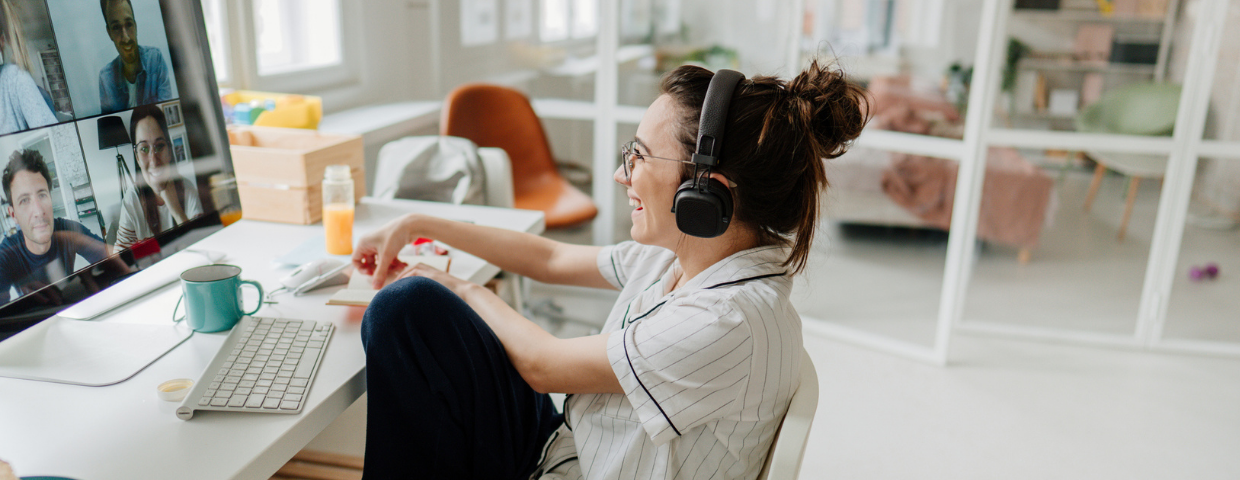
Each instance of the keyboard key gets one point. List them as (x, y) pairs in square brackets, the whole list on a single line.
[(299, 382), (278, 388), (232, 379), (262, 383), (224, 394), (262, 390), (208, 393), (305, 368), (219, 378), (237, 400), (219, 402), (255, 401), (287, 405), (228, 386), (297, 390), (204, 401), (294, 398), (272, 403), (243, 391), (250, 376), (214, 385)]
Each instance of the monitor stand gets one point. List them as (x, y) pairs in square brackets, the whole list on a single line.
[(69, 349), (87, 353)]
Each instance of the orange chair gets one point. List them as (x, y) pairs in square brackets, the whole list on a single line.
[(495, 116)]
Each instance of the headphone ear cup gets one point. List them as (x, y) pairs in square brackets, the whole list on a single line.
[(703, 210)]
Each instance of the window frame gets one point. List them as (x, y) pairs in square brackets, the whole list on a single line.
[(242, 54)]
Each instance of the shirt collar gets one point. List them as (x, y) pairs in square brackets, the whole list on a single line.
[(754, 262)]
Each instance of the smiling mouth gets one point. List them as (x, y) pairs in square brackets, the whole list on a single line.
[(633, 202)]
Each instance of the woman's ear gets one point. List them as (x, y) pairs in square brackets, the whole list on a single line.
[(722, 179)]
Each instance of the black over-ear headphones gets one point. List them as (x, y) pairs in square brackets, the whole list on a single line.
[(703, 205)]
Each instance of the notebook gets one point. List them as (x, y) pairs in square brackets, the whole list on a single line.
[(359, 292)]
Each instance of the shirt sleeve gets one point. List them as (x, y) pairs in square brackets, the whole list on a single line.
[(127, 228), (685, 366), (620, 262), (161, 72), (86, 243), (191, 203), (34, 108)]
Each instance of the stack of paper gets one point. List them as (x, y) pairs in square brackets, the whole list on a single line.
[(359, 292)]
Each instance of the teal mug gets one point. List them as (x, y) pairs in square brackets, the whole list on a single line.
[(212, 295)]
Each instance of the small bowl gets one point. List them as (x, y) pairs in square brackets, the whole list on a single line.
[(174, 390)]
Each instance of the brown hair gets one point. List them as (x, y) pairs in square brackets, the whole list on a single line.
[(777, 135)]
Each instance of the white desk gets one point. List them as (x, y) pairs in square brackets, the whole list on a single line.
[(124, 431)]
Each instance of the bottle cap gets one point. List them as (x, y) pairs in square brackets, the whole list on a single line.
[(337, 172)]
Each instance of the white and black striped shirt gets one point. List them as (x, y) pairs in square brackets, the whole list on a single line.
[(707, 371)]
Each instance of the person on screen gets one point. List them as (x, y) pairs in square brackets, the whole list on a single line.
[(138, 74), (160, 198), (44, 248), (22, 105)]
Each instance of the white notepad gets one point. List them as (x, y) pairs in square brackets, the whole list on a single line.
[(359, 292)]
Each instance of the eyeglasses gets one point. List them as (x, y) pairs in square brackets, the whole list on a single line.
[(146, 148), (628, 152)]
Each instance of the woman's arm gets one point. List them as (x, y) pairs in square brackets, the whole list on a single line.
[(548, 364), (522, 253)]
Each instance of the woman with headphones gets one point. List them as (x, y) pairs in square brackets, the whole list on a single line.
[(699, 357)]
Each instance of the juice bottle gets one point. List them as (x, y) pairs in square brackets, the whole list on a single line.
[(338, 209)]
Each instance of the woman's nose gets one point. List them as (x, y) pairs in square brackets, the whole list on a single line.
[(620, 177)]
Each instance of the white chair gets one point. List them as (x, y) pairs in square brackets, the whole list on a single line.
[(784, 460)]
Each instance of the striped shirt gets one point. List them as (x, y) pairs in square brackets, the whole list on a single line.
[(707, 371)]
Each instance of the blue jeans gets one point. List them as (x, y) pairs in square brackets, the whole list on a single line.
[(444, 400)]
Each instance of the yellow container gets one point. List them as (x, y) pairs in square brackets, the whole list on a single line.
[(292, 110)]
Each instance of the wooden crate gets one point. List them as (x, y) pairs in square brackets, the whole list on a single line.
[(280, 170)]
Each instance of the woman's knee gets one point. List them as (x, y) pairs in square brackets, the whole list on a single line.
[(405, 307)]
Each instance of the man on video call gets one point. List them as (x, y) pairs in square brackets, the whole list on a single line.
[(44, 248), (138, 74)]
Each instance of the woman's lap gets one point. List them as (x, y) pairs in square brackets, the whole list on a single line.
[(444, 399)]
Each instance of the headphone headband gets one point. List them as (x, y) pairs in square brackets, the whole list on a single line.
[(715, 116)]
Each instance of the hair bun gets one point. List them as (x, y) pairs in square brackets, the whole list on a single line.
[(832, 109)]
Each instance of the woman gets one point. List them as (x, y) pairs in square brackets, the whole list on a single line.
[(699, 357), (161, 198), (22, 105)]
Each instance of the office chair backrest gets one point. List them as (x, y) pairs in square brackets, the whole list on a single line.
[(784, 460), (501, 117)]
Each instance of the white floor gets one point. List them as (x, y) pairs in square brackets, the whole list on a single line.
[(1003, 408)]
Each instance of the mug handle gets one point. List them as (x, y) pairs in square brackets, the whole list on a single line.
[(178, 307), (260, 296)]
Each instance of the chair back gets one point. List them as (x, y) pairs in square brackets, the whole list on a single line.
[(501, 117), (1133, 109), (784, 460)]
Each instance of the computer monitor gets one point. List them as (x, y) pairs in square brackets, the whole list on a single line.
[(114, 154)]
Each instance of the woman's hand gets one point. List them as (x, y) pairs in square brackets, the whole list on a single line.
[(375, 253), (168, 196), (460, 287)]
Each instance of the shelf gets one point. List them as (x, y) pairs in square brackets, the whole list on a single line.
[(1082, 16), (1070, 66)]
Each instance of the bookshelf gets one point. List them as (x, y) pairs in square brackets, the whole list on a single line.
[(1074, 52)]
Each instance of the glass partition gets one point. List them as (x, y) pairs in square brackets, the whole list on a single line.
[(1204, 301)]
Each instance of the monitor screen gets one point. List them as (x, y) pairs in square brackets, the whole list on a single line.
[(112, 144)]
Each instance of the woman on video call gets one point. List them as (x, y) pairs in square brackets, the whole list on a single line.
[(22, 105), (160, 198), (699, 358)]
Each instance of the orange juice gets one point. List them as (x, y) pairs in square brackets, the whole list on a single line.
[(338, 226), (230, 217)]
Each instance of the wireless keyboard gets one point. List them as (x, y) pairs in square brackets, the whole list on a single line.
[(265, 366)]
